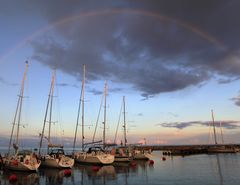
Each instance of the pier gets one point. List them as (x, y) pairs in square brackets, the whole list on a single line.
[(189, 149)]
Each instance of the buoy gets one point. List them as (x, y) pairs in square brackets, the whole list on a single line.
[(164, 158), (151, 162), (12, 178), (133, 164), (95, 168), (67, 172)]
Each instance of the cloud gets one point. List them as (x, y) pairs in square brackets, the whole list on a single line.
[(95, 91), (236, 100), (67, 85), (98, 92), (182, 125), (115, 89), (3, 81), (227, 80), (153, 46)]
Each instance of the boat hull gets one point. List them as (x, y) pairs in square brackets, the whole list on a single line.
[(122, 159), (62, 162), (22, 164), (92, 158)]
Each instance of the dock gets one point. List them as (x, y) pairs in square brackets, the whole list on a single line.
[(189, 149)]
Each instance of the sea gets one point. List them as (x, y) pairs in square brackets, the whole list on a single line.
[(215, 169)]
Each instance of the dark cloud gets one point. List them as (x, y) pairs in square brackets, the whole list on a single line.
[(154, 46), (182, 125), (67, 85), (98, 92), (236, 100), (226, 81), (115, 89), (95, 91)]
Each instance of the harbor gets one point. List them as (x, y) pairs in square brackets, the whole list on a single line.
[(119, 92), (215, 169)]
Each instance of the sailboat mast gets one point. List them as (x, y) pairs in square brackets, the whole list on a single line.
[(105, 115), (99, 112), (83, 90), (115, 138), (214, 130), (20, 106), (18, 110), (124, 122), (78, 114), (221, 132), (50, 111), (45, 117)]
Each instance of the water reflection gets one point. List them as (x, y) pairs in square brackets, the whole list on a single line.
[(198, 170), (54, 176), (94, 174), (219, 168), (22, 178), (110, 174)]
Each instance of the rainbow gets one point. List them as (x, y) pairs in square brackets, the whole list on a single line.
[(69, 19)]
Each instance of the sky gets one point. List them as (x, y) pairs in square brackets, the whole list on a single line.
[(174, 61)]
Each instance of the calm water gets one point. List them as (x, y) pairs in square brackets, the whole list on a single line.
[(221, 169)]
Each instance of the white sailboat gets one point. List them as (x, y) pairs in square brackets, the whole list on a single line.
[(219, 148), (122, 153), (94, 155), (140, 154), (20, 160), (55, 157)]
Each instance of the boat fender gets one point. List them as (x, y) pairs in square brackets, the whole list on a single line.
[(163, 158), (151, 162)]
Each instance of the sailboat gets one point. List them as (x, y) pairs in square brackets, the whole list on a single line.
[(141, 154), (55, 157), (95, 154), (122, 153), (219, 148), (21, 160)]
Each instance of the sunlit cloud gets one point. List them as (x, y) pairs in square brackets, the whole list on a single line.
[(182, 125)]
